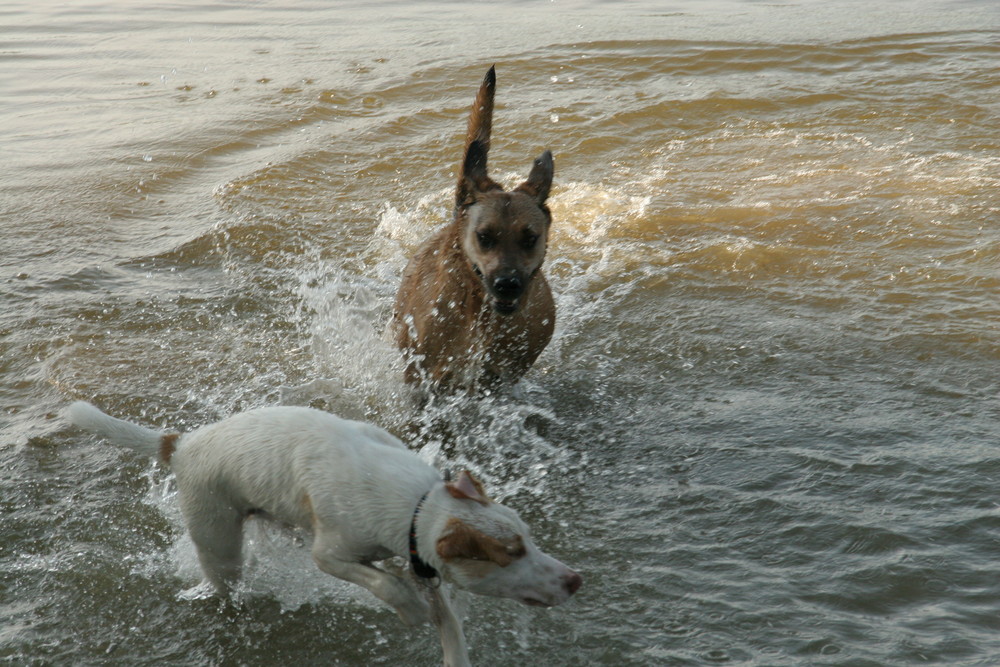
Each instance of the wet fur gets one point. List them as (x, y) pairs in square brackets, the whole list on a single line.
[(473, 309)]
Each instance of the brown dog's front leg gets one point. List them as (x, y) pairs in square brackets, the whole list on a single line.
[(456, 653)]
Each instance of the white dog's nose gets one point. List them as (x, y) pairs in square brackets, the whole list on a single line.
[(572, 582)]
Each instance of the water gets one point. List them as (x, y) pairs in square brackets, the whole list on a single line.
[(765, 430)]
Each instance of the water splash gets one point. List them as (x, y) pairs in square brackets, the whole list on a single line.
[(355, 371)]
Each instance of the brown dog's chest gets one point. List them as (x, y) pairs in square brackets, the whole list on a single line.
[(456, 340)]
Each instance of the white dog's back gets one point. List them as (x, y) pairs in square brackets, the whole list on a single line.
[(290, 463), (295, 461)]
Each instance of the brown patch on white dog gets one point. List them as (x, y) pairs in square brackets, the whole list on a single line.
[(168, 445), (462, 541)]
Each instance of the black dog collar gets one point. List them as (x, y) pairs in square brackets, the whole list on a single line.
[(420, 567)]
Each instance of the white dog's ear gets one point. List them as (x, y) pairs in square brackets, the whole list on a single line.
[(467, 487)]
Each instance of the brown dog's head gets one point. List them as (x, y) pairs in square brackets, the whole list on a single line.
[(504, 234)]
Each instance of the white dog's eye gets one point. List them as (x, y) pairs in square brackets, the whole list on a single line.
[(517, 550)]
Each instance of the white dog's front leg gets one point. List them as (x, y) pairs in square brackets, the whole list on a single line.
[(394, 591), (456, 653)]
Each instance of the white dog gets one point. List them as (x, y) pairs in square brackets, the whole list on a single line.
[(365, 498)]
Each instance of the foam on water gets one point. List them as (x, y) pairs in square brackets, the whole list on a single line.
[(361, 370)]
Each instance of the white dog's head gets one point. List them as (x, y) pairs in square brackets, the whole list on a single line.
[(483, 547)]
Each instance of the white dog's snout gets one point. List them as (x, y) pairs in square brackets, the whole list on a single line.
[(558, 584)]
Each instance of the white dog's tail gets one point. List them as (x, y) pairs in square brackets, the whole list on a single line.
[(154, 444)]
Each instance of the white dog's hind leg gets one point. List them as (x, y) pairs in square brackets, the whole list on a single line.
[(394, 591), (218, 539)]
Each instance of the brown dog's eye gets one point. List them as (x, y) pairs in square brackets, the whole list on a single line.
[(529, 241), (485, 240)]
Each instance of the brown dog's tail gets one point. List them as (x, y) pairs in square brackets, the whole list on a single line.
[(472, 177), (481, 115)]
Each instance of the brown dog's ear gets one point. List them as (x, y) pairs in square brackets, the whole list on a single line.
[(467, 487), (474, 179), (474, 168), (540, 179)]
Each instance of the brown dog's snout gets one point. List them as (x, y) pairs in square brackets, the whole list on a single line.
[(508, 286)]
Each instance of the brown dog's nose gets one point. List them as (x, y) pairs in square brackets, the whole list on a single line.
[(508, 287), (573, 581)]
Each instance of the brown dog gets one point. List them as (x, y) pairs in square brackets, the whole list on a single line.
[(474, 310)]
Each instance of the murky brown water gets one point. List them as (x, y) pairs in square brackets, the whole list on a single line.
[(766, 430)]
